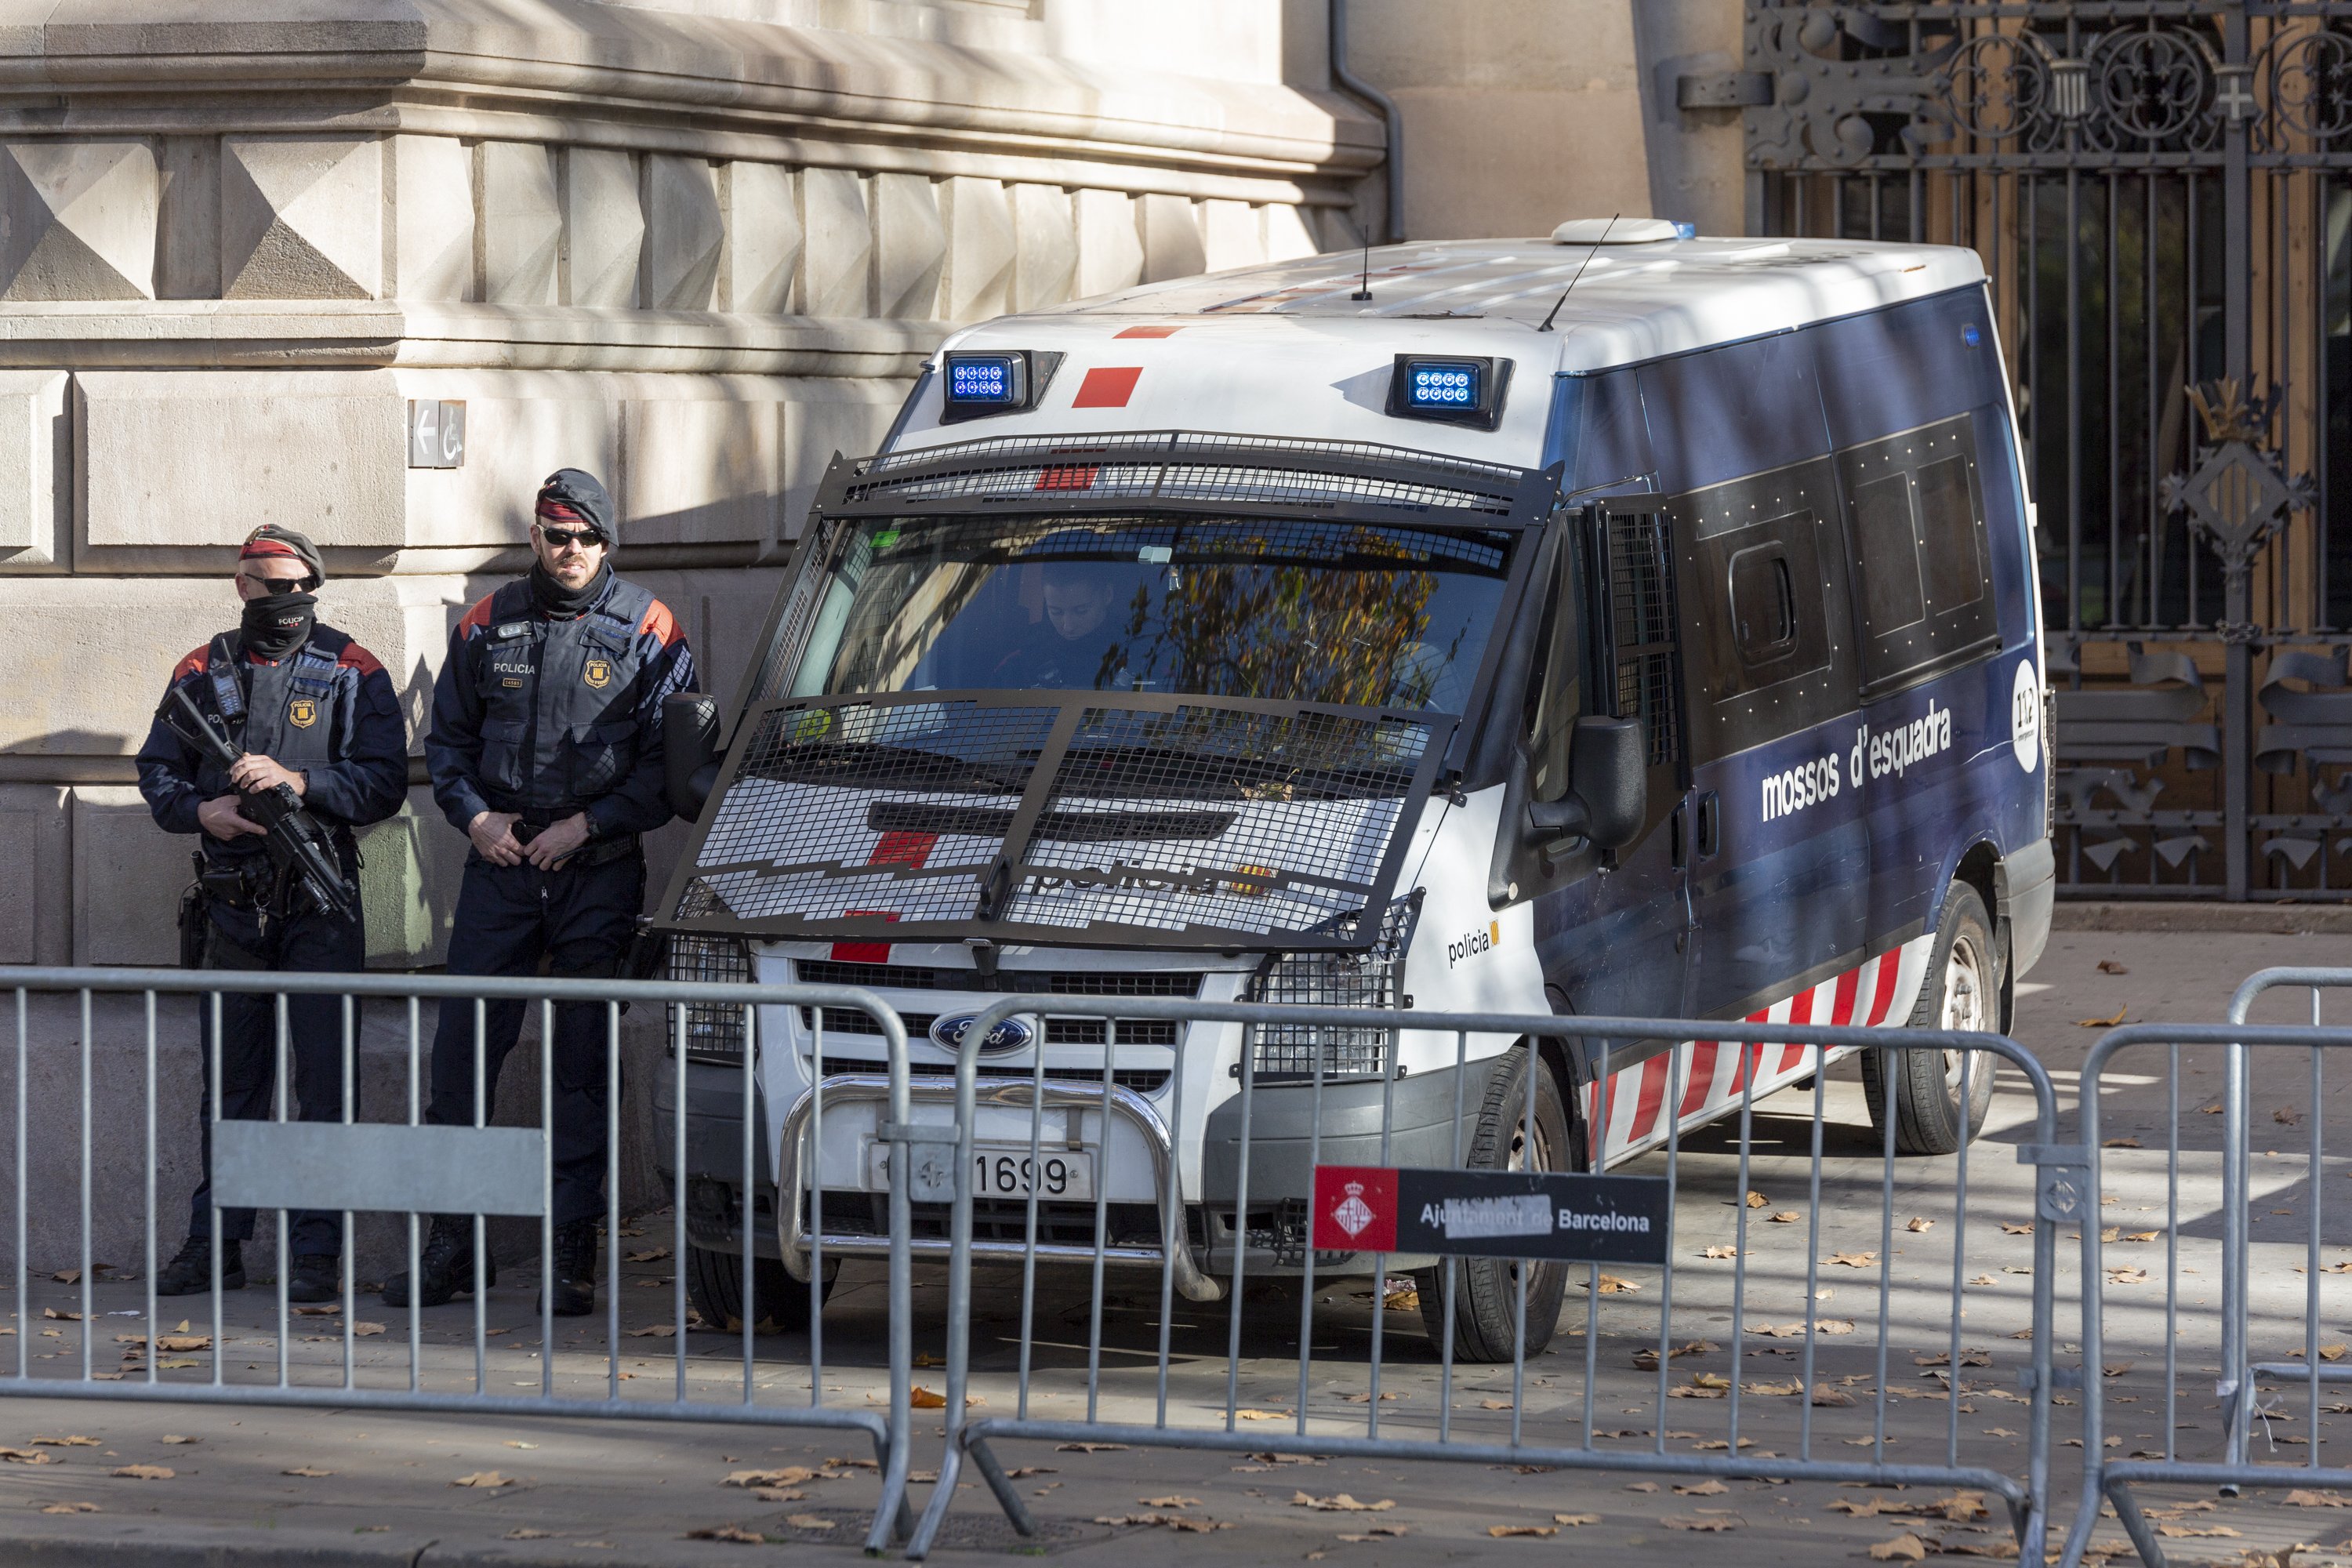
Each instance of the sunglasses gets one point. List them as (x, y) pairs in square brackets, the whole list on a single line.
[(560, 537)]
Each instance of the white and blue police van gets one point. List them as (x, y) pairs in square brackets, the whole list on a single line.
[(1619, 624)]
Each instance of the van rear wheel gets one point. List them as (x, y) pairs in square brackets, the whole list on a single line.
[(1487, 1290), (714, 1288), (1961, 991)]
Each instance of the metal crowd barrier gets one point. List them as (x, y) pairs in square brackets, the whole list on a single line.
[(2239, 1391), (407, 1166), (1020, 1098)]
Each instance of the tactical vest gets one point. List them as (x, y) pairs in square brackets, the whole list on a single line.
[(559, 700), (286, 710)]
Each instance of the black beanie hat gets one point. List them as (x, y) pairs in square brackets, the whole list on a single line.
[(575, 498)]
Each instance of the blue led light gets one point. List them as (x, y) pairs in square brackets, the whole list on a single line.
[(1439, 385), (988, 379), (1970, 336)]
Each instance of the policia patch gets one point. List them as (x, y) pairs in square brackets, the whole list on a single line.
[(597, 672), (302, 712)]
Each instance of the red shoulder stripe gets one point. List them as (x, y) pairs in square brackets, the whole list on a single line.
[(660, 623), (354, 657), (476, 618), (192, 664)]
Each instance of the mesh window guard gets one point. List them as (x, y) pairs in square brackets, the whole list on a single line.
[(1370, 977)]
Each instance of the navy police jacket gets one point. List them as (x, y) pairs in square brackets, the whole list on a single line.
[(546, 716), (327, 709)]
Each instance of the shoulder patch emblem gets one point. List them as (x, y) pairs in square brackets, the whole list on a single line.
[(597, 672), (302, 712)]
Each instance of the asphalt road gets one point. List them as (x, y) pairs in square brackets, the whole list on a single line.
[(269, 1485)]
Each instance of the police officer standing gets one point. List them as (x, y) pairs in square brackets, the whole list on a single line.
[(313, 710), (546, 752)]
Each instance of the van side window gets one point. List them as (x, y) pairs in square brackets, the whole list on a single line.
[(1915, 508), (1556, 697), (1767, 649), (1641, 616)]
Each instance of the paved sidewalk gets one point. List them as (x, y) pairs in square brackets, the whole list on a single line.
[(380, 1487)]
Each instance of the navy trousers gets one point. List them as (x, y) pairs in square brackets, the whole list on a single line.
[(579, 920), (309, 942)]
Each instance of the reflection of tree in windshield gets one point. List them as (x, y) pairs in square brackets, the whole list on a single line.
[(1311, 633)]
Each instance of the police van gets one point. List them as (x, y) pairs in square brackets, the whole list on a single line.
[(1624, 623)]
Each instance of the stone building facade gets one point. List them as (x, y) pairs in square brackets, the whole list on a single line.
[(696, 246)]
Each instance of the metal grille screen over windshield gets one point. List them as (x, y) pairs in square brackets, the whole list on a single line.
[(1087, 818)]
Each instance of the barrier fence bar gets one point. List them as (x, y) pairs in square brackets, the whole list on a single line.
[(403, 1166), (2242, 1370), (1208, 1036)]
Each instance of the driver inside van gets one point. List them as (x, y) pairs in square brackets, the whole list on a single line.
[(1072, 644)]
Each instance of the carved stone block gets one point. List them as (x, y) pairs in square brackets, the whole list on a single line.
[(684, 232), (1046, 244), (911, 247), (604, 227), (838, 246), (701, 470), (1110, 248), (522, 224), (432, 217), (1172, 237), (187, 223), (301, 219), (79, 220), (36, 447), (764, 238), (977, 218)]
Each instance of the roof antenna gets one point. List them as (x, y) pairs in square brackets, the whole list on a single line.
[(1580, 265), (1364, 285)]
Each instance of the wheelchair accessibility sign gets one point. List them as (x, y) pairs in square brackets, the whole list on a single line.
[(1569, 1217)]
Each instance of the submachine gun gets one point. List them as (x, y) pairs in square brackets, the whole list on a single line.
[(299, 848)]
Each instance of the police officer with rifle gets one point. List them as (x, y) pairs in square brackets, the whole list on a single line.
[(546, 752), (272, 742)]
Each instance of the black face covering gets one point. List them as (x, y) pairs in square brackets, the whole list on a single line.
[(276, 623), (554, 597)]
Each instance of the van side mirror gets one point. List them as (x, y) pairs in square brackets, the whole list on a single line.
[(690, 753), (1607, 787)]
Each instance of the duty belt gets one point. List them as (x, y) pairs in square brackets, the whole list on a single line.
[(595, 852)]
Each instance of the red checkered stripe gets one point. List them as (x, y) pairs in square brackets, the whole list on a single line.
[(1713, 1075)]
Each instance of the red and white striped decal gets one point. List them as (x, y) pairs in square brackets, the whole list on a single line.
[(1713, 1075)]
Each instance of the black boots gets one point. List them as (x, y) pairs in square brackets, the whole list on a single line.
[(192, 1270), (445, 1266), (574, 1271), (318, 1277)]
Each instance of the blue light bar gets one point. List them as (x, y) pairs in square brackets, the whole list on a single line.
[(988, 381), (1451, 386), (1456, 389)]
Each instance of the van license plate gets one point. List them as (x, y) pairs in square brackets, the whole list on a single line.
[(1005, 1170)]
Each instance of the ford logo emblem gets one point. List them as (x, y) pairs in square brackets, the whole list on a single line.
[(1010, 1034)]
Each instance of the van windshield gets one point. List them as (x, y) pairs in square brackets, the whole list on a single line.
[(1344, 613)]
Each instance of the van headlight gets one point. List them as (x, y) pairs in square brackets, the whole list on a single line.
[(715, 1031), (1361, 977)]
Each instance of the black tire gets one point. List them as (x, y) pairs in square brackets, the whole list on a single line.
[(714, 1288), (1485, 1289), (1961, 991)]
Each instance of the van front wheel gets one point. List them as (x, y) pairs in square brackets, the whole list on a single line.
[(1487, 1290), (714, 1287), (1961, 991)]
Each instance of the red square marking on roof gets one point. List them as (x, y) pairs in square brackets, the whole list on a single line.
[(1149, 332), (1107, 387)]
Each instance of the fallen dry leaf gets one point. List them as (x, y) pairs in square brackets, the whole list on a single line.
[(1091, 1448), (1172, 1500), (728, 1533), (790, 1476), (70, 1508), (1708, 1488), (308, 1470), (2284, 1117), (1573, 1519), (2103, 1023), (1502, 1532), (1757, 1201), (2189, 1531), (1493, 1404), (1786, 1217), (1379, 1532), (2009, 1229), (925, 1399), (1720, 1252), (484, 1478), (2119, 1143), (1852, 1259), (1342, 1503), (144, 1472), (1916, 1224), (1716, 1522), (70, 1440), (655, 1332), (1646, 1358), (1903, 1548), (1612, 1286), (2301, 1498), (1262, 1415), (2109, 966), (176, 1437), (651, 1255), (526, 1532)]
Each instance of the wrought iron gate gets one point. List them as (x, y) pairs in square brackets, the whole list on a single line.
[(2162, 195)]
